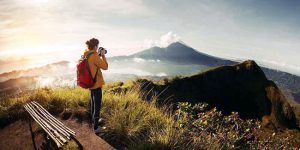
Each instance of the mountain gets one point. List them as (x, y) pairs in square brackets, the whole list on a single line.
[(59, 73), (53, 68), (178, 53), (16, 85), (181, 54), (242, 87), (287, 82)]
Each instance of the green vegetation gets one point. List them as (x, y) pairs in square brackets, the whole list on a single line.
[(210, 129), (135, 123)]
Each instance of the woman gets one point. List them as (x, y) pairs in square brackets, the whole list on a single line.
[(96, 62)]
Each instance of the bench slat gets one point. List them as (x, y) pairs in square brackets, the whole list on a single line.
[(58, 143), (55, 129), (56, 120), (54, 124), (49, 125)]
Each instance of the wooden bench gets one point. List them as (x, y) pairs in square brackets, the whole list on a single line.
[(58, 132)]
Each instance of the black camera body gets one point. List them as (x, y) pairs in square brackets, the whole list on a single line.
[(100, 49)]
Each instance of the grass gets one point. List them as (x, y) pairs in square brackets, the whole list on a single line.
[(57, 100), (127, 117), (135, 123)]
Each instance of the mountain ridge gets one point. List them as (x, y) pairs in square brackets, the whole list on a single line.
[(241, 87)]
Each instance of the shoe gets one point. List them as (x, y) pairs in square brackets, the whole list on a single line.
[(97, 131), (101, 120)]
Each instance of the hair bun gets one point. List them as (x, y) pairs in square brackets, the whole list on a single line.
[(92, 43)]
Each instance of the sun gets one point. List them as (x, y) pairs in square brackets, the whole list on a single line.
[(40, 1)]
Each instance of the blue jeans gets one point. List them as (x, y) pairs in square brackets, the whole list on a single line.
[(96, 98)]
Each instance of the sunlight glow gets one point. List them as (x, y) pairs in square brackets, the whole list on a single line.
[(40, 1)]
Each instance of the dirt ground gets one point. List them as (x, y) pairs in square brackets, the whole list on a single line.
[(18, 136)]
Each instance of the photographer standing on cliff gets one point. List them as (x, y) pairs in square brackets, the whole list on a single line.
[(89, 76)]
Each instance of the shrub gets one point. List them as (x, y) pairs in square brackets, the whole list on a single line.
[(210, 129)]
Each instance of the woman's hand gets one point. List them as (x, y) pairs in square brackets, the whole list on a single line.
[(102, 53)]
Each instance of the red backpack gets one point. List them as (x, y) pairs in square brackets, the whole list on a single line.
[(84, 75)]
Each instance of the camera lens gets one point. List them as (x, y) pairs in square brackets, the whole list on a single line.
[(101, 49)]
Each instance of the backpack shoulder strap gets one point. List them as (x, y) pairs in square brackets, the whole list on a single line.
[(87, 57), (89, 54)]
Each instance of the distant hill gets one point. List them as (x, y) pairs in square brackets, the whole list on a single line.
[(285, 81), (16, 85), (18, 80), (37, 71)]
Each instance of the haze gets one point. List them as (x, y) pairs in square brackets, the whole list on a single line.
[(43, 31)]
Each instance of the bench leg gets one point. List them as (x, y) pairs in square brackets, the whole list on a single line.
[(80, 147), (32, 133)]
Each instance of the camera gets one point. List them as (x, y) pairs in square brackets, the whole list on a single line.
[(100, 49)]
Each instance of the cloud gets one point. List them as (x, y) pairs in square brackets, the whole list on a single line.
[(129, 70), (38, 23), (163, 41), (162, 74), (138, 60), (288, 67)]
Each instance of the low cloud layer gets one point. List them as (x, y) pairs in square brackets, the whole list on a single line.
[(281, 66)]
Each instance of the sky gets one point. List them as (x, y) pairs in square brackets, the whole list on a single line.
[(267, 31)]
